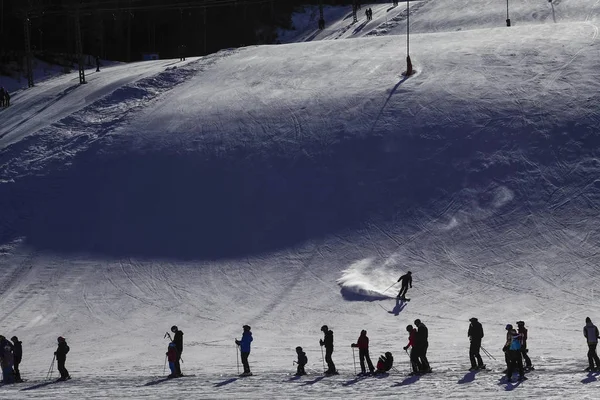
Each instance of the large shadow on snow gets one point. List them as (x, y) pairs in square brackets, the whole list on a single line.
[(211, 204)]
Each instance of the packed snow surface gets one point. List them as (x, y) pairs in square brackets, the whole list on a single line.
[(287, 187)]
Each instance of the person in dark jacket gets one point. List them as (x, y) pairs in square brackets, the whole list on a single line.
[(513, 348), (406, 282), (61, 357), (414, 354), (327, 341), (521, 330), (178, 340), (97, 63), (6, 360), (590, 331), (302, 361), (363, 352), (244, 344), (18, 356), (475, 334), (421, 345), (385, 363)]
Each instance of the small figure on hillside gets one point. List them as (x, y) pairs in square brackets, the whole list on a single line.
[(406, 282), (385, 363), (6, 99), (182, 52), (524, 350), (513, 348), (18, 356), (61, 357), (421, 345), (327, 341), (97, 63), (414, 354), (321, 23), (2, 91), (475, 334), (172, 358), (244, 344), (6, 361), (178, 340), (590, 331), (363, 352), (302, 361)]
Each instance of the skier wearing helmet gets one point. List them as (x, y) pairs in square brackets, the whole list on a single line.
[(61, 358), (178, 340)]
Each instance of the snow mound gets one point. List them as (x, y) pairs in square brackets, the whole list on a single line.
[(364, 281)]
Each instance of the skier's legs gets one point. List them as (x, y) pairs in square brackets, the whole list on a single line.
[(17, 372), (519, 362), (414, 360), (369, 363), (403, 291), (329, 360), (178, 365), (595, 357), (591, 353), (60, 363), (423, 358), (361, 357), (172, 367), (526, 357), (245, 355), (473, 352)]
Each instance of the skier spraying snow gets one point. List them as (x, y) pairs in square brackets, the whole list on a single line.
[(590, 331), (178, 340), (245, 349), (61, 358), (406, 282), (363, 352), (475, 334), (327, 341)]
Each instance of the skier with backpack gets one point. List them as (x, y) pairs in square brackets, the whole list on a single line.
[(178, 340), (61, 358), (244, 344), (590, 331), (302, 361), (475, 334)]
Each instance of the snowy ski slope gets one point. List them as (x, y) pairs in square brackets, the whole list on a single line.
[(287, 187)]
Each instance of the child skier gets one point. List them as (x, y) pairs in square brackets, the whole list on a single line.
[(172, 357), (385, 363), (302, 361)]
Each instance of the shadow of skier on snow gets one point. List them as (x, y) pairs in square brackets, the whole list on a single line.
[(226, 382), (156, 382), (317, 379), (408, 381), (591, 377), (400, 305), (38, 386), (469, 377)]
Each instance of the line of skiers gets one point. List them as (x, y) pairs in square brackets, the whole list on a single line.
[(4, 98)]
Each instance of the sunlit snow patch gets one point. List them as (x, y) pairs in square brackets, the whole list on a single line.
[(361, 282)]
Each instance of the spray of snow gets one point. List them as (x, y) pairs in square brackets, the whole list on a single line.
[(366, 281)]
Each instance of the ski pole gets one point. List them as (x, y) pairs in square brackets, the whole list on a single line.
[(323, 358), (51, 369), (354, 358), (487, 353), (237, 357), (165, 366), (389, 287)]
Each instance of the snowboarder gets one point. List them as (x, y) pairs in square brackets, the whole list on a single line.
[(178, 340), (385, 363), (475, 334), (406, 282), (61, 358), (513, 348), (414, 355), (302, 361), (327, 341), (245, 349), (590, 331), (363, 352), (524, 350), (18, 356), (6, 360), (172, 358), (421, 345)]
